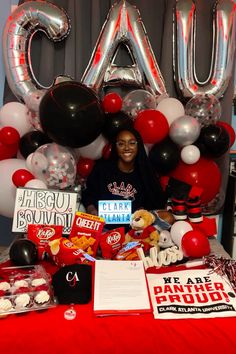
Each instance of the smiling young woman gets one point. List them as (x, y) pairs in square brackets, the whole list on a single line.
[(127, 175)]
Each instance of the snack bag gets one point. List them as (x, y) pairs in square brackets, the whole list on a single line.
[(64, 252), (111, 242), (86, 231), (42, 234), (128, 252)]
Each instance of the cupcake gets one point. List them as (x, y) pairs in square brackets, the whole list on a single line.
[(20, 284), (22, 301), (39, 284), (4, 286), (5, 305), (42, 297)]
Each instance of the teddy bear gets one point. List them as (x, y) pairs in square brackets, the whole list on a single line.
[(142, 230)]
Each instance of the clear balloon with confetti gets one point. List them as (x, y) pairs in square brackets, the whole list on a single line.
[(55, 165)]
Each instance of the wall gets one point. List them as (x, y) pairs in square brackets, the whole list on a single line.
[(5, 6)]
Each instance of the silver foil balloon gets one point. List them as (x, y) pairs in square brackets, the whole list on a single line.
[(223, 48), (20, 27), (124, 26), (184, 130)]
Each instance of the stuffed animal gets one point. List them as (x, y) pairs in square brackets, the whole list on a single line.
[(142, 230)]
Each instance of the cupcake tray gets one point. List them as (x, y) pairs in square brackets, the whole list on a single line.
[(24, 289)]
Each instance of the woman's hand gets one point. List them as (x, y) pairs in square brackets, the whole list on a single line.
[(92, 210)]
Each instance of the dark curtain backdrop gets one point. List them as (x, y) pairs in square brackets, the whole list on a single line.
[(71, 56)]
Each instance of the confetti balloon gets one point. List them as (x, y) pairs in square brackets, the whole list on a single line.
[(205, 108), (54, 165), (137, 101)]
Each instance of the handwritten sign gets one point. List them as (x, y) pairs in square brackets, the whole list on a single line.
[(191, 294), (49, 207)]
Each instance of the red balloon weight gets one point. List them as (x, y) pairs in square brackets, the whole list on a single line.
[(112, 103), (7, 151), (230, 131), (21, 177), (195, 244), (84, 166), (204, 174), (152, 125), (9, 136)]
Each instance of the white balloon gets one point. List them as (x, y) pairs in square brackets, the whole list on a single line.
[(8, 189), (171, 108), (190, 154), (36, 183), (14, 114), (177, 231), (93, 150)]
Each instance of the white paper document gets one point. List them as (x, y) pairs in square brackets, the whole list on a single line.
[(120, 287)]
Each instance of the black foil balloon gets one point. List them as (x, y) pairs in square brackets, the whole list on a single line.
[(213, 141), (164, 156), (23, 252), (31, 141), (115, 122), (71, 114)]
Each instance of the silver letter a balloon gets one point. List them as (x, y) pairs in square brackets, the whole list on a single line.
[(124, 26)]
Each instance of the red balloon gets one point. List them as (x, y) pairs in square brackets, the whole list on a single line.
[(230, 131), (7, 151), (204, 174), (112, 103), (84, 166), (195, 244), (106, 151), (21, 177), (152, 125), (9, 136)]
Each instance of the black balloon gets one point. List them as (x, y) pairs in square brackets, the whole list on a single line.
[(214, 141), (71, 114), (31, 141), (164, 156), (115, 122), (23, 252)]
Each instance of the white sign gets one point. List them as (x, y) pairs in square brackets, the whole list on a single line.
[(49, 207), (115, 211)]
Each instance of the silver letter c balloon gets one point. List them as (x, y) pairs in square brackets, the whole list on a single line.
[(20, 27)]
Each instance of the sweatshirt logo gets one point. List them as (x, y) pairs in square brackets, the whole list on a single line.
[(127, 192)]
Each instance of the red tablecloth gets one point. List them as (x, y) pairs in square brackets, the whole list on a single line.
[(48, 332)]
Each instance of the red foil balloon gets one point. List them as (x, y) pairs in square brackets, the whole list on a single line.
[(21, 177), (84, 166), (195, 244), (112, 103), (204, 174), (152, 125)]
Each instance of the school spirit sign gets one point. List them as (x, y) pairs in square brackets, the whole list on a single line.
[(191, 294)]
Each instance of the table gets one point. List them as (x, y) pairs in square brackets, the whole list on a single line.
[(48, 332)]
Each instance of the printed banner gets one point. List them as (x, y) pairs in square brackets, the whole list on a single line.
[(49, 207), (191, 294)]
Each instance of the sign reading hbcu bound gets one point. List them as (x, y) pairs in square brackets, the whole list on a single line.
[(115, 211), (49, 207), (193, 293)]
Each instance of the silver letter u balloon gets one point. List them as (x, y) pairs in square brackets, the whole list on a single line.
[(224, 25)]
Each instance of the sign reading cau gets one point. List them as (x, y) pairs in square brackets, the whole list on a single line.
[(34, 206)]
